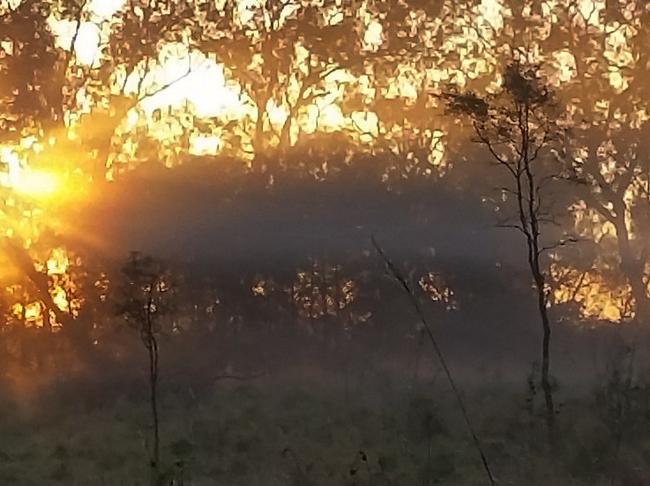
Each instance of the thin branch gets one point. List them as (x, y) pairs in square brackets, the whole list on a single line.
[(170, 83), (75, 35), (485, 141), (145, 73), (397, 275), (512, 226), (541, 144), (564, 242)]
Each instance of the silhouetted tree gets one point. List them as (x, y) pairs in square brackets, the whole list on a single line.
[(144, 300), (518, 126)]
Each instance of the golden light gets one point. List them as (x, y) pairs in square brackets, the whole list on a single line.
[(36, 184), (590, 10), (490, 11), (205, 86), (32, 313), (23, 180), (595, 295), (204, 144), (206, 92), (104, 9), (58, 262), (89, 35), (372, 38), (60, 298)]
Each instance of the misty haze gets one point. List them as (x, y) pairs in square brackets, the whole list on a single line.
[(324, 242)]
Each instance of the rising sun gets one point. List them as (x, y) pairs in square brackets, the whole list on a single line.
[(37, 184)]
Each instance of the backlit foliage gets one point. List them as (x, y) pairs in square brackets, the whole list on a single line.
[(435, 287), (88, 90), (595, 295), (322, 291)]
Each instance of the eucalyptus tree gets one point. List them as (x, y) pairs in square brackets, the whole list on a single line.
[(606, 154), (518, 126), (289, 57)]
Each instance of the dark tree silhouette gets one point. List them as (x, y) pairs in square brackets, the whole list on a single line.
[(518, 126), (144, 300)]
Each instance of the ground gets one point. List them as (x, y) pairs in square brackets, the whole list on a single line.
[(372, 429)]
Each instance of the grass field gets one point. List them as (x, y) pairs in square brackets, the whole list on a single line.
[(377, 430)]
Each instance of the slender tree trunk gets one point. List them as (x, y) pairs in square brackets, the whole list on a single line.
[(542, 307), (260, 158), (285, 132), (631, 266), (258, 140), (542, 300), (47, 319), (153, 388), (529, 213), (152, 350), (547, 387)]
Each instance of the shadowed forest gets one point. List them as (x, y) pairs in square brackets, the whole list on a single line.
[(324, 242)]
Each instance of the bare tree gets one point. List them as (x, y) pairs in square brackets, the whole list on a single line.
[(517, 126), (145, 298)]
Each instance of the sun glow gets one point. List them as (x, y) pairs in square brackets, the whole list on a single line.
[(37, 184), (23, 180)]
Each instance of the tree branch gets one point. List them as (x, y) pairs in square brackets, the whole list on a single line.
[(397, 275)]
